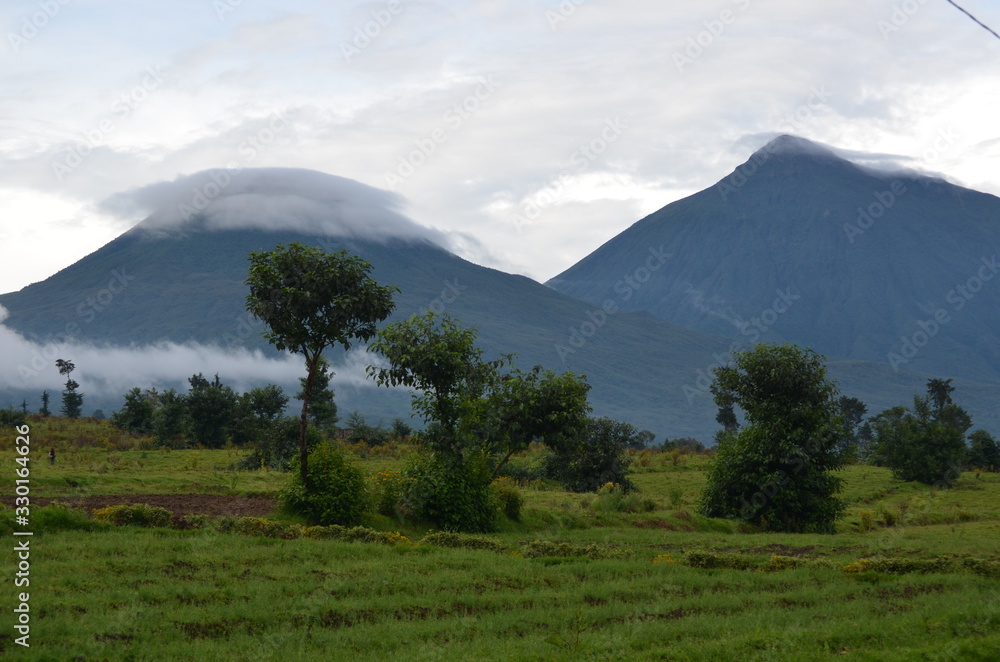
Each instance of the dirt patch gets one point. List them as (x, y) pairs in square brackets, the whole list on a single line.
[(213, 505)]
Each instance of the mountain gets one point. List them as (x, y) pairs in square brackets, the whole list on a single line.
[(178, 276), (181, 280), (800, 244)]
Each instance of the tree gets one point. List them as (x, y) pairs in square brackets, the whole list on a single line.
[(536, 406), (322, 407), (171, 422), (136, 414), (940, 391), (774, 471), (438, 358), (599, 459), (257, 413), (925, 444), (311, 300), (211, 411), (44, 411), (72, 401), (984, 452), (852, 412)]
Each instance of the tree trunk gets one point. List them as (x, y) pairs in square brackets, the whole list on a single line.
[(304, 421)]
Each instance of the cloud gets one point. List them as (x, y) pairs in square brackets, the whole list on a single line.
[(108, 372), (271, 198)]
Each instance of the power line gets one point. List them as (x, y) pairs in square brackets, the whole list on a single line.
[(986, 27)]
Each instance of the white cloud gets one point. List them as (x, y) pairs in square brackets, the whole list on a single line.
[(225, 78)]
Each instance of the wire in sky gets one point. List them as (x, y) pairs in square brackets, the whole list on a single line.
[(986, 27)]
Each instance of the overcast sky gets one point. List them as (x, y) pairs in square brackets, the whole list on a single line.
[(534, 130)]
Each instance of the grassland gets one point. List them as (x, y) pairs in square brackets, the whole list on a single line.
[(576, 579)]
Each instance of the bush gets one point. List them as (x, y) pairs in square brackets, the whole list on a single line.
[(355, 534), (139, 514), (334, 491), (548, 548), (60, 517), (452, 494), (388, 492), (599, 459), (509, 497), (463, 541), (614, 499), (277, 447)]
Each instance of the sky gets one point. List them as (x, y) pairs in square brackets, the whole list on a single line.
[(530, 132), (520, 135), (525, 134)]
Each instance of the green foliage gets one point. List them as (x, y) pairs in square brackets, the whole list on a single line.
[(452, 494), (211, 410), (984, 452), (44, 411), (322, 410), (925, 444), (139, 514), (136, 414), (536, 406), (612, 498), (311, 300), (171, 421), (509, 497), (440, 359), (463, 541), (596, 459), (257, 414), (774, 471), (72, 401), (550, 548), (334, 491), (11, 417), (59, 517), (277, 446)]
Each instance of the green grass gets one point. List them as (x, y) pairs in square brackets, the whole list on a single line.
[(572, 581)]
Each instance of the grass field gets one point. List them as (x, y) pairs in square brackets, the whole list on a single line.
[(576, 579)]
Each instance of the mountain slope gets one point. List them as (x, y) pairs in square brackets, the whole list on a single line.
[(799, 244)]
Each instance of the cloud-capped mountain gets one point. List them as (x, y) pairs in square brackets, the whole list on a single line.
[(803, 245), (166, 299)]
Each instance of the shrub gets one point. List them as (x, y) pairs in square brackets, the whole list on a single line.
[(509, 497), (259, 527), (712, 560), (355, 534), (600, 458), (452, 494), (388, 491), (60, 517), (139, 514), (867, 520), (613, 498), (549, 548), (463, 541), (334, 491)]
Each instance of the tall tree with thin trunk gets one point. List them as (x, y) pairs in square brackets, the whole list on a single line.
[(72, 401), (311, 300)]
